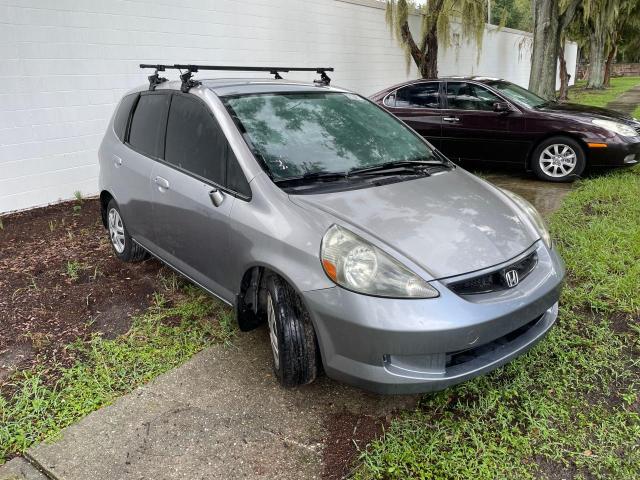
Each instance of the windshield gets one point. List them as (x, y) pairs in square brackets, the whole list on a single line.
[(304, 133), (518, 94)]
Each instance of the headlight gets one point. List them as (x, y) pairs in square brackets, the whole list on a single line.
[(533, 215), (355, 264), (616, 127)]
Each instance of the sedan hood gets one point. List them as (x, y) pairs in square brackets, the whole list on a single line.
[(584, 111), (448, 224)]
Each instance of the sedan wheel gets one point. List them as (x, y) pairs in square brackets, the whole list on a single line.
[(558, 160)]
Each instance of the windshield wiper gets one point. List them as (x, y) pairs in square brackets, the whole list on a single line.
[(416, 166), (313, 176)]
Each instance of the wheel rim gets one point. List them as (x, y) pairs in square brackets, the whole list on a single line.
[(273, 331), (558, 160), (116, 230)]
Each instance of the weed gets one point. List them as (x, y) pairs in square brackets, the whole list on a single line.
[(52, 225), (1, 224), (73, 269)]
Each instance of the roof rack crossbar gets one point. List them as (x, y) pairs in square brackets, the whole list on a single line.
[(188, 82)]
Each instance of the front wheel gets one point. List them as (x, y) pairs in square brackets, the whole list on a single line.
[(558, 159), (292, 337)]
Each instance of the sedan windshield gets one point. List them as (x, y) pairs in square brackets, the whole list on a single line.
[(518, 94), (298, 134)]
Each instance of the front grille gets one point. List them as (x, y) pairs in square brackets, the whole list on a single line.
[(464, 356), (495, 281)]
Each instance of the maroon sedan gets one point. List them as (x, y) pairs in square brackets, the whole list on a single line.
[(492, 120)]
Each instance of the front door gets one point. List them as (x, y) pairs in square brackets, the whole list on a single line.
[(472, 130), (191, 231), (419, 106)]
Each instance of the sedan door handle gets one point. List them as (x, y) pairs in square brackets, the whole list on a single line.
[(451, 119), (117, 161), (163, 183)]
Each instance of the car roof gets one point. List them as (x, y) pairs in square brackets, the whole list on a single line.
[(247, 86)]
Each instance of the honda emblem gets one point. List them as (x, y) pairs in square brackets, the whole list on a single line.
[(511, 277)]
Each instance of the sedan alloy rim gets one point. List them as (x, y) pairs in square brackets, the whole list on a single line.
[(273, 331), (116, 230), (558, 160)]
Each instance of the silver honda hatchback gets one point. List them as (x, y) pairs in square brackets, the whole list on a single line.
[(309, 208)]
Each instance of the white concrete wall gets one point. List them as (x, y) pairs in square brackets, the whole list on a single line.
[(65, 63)]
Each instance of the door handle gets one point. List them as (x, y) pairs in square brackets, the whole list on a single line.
[(163, 183), (216, 196), (117, 161), (451, 119)]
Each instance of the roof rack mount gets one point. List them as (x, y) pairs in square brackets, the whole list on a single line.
[(188, 82)]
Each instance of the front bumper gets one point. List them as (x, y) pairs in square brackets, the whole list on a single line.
[(622, 151), (410, 346)]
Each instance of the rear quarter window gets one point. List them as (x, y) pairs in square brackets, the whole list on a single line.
[(146, 134), (123, 113)]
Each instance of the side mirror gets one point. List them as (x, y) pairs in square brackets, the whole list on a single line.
[(501, 107), (216, 196)]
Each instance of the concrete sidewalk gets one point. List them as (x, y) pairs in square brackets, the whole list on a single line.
[(627, 102), (221, 415)]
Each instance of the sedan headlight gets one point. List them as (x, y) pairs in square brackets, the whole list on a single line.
[(616, 127), (533, 214), (355, 264)]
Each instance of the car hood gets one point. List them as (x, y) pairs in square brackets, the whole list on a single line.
[(584, 112), (448, 224)]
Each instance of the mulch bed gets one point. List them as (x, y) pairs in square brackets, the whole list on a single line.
[(42, 307), (347, 434)]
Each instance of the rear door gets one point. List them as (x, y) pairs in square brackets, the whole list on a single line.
[(420, 106), (191, 230), (144, 141), (471, 130)]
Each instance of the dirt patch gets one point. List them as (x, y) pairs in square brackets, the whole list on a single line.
[(61, 282), (348, 433)]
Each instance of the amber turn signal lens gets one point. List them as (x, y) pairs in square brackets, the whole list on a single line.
[(330, 269), (597, 145)]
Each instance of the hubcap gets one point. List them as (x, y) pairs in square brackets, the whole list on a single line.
[(558, 160), (273, 331), (116, 230)]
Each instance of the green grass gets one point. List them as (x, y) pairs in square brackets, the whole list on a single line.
[(567, 409), (600, 98), (163, 338), (636, 113)]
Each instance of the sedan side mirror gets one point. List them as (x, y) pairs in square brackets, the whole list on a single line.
[(501, 107)]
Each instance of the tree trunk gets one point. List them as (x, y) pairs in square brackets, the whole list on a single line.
[(429, 65), (564, 75), (596, 60), (607, 68), (546, 41)]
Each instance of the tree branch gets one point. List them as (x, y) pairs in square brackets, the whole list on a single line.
[(567, 16)]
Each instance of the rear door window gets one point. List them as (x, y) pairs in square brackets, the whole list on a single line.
[(196, 144), (469, 96), (420, 95), (123, 113), (148, 124)]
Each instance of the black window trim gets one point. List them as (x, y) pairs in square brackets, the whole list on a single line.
[(420, 82), (445, 98), (227, 190)]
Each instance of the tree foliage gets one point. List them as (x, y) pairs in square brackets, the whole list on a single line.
[(436, 19)]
